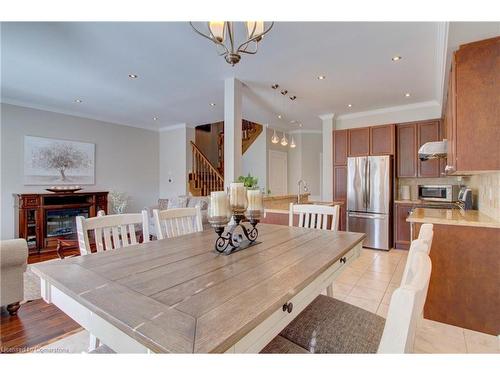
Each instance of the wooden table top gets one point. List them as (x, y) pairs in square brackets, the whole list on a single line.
[(178, 295)]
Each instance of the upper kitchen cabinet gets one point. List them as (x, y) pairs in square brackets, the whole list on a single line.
[(359, 142), (340, 146), (429, 132), (471, 115), (382, 140), (407, 150)]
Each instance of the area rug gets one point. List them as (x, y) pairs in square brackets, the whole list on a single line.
[(74, 343), (31, 286)]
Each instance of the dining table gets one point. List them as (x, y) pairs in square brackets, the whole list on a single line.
[(178, 295)]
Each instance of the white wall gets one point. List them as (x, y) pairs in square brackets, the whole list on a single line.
[(175, 160), (126, 158), (254, 160)]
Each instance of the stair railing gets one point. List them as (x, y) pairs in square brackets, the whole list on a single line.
[(205, 175)]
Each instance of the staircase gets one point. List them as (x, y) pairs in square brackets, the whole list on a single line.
[(204, 177), (249, 133)]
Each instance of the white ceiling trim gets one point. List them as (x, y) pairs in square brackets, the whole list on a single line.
[(182, 125), (441, 66), (39, 107), (305, 131), (399, 108)]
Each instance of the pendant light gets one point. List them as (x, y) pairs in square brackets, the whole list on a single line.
[(275, 139), (284, 141), (292, 143)]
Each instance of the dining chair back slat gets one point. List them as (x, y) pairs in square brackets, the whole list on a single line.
[(111, 231), (177, 221), (314, 216)]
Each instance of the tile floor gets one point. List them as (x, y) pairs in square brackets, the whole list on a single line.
[(369, 281)]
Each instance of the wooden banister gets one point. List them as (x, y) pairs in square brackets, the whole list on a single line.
[(204, 177)]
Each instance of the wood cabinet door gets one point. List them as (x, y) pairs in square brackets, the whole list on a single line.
[(359, 142), (477, 136), (451, 121), (407, 150), (340, 146), (402, 227), (428, 132), (382, 140), (340, 183)]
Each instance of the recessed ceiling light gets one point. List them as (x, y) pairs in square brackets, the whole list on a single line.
[(156, 118), (280, 117), (300, 125), (133, 76), (407, 94), (396, 58), (78, 100), (321, 77), (212, 104), (349, 105)]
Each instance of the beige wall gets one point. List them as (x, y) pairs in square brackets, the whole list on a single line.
[(126, 158)]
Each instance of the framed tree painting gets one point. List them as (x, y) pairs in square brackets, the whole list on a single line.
[(49, 161)]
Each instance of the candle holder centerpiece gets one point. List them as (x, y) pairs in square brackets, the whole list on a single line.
[(236, 207)]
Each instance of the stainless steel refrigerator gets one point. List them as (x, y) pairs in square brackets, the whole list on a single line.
[(369, 199)]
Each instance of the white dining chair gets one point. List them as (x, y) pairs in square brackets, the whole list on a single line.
[(422, 244), (177, 221), (329, 325), (111, 231), (315, 216)]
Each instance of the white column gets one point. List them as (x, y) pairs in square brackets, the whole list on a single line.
[(327, 172), (232, 130)]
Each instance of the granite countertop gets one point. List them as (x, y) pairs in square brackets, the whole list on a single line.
[(470, 218), (285, 196), (285, 211), (408, 201)]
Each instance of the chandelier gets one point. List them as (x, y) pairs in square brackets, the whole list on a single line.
[(222, 34)]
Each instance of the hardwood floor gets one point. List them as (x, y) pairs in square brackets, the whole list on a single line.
[(37, 322)]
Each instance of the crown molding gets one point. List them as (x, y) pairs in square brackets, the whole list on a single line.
[(19, 103), (174, 127), (399, 108), (327, 116), (441, 60)]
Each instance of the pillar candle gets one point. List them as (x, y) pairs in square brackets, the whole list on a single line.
[(254, 200), (218, 205), (238, 196)]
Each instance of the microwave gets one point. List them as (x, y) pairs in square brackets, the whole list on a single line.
[(438, 193)]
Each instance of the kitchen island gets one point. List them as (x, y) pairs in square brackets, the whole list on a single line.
[(465, 253), (280, 215)]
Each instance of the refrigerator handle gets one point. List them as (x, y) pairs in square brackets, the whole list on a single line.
[(368, 190), (364, 187)]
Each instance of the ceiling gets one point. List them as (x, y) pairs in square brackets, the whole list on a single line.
[(49, 65)]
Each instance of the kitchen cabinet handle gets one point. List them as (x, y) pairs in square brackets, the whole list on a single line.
[(343, 260), (288, 307)]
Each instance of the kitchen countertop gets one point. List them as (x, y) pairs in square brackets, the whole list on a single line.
[(285, 196), (283, 211), (470, 218)]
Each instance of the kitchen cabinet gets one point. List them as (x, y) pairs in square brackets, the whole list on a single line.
[(340, 191), (471, 112), (340, 147), (359, 141), (382, 140), (407, 150), (428, 132), (410, 137), (402, 237)]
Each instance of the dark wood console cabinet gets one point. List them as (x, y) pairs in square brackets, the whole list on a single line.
[(38, 215)]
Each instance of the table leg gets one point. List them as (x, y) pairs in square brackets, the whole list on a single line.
[(94, 343), (329, 290)]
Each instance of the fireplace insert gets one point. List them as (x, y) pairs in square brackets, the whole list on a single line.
[(61, 222)]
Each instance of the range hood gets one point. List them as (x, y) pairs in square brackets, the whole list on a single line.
[(433, 150)]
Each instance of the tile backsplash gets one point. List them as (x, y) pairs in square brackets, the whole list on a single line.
[(485, 189)]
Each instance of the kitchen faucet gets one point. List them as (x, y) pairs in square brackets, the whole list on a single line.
[(306, 189)]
